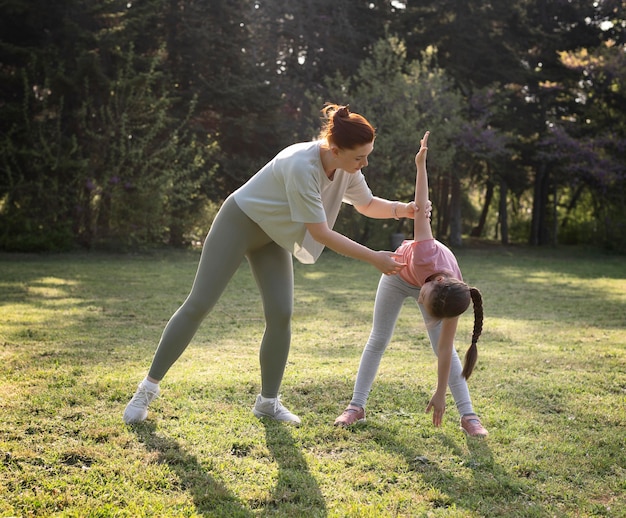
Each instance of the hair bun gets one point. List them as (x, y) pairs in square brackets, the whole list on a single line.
[(345, 129), (343, 111)]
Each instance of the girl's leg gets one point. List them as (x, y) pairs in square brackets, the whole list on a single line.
[(232, 234), (389, 298), (456, 382), (272, 267)]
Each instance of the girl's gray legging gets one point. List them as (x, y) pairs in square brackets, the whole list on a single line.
[(391, 293), (233, 236)]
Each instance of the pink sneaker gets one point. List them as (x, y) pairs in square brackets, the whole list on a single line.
[(472, 427), (350, 416)]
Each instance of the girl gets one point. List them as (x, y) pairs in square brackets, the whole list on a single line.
[(433, 279), (288, 207)]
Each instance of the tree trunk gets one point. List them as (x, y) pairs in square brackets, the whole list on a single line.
[(456, 238), (176, 232), (555, 216), (441, 227), (572, 205), (477, 231), (538, 228), (503, 213)]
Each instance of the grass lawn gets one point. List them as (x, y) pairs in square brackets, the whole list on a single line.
[(77, 333)]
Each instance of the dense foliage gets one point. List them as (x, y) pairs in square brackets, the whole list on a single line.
[(125, 123)]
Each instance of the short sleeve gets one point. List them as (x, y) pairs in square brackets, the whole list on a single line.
[(304, 198), (358, 192)]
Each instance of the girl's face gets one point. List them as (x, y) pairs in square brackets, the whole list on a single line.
[(353, 160), (426, 292)]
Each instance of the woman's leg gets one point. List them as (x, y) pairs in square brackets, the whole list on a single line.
[(389, 298), (456, 382), (232, 234), (272, 267)]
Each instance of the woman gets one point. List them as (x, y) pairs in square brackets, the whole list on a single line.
[(433, 278), (287, 208)]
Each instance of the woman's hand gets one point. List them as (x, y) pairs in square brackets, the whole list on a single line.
[(386, 262), (438, 406), (409, 210)]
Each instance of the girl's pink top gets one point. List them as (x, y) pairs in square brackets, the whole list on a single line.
[(424, 258)]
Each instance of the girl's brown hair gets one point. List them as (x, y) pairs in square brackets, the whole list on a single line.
[(450, 298), (345, 129)]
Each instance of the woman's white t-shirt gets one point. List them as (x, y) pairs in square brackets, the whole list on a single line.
[(293, 189)]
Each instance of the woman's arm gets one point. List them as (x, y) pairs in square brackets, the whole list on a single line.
[(421, 226), (380, 208), (444, 359), (345, 246)]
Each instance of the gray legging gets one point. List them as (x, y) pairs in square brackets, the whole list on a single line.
[(233, 236), (392, 292)]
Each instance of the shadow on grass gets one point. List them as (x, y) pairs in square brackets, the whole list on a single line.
[(210, 497), (490, 486), (296, 489)]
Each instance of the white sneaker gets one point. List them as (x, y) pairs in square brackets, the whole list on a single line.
[(137, 408), (274, 409)]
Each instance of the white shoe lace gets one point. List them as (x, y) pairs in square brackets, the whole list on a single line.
[(143, 397)]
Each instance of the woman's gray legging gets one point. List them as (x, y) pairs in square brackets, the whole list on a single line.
[(391, 294), (233, 236)]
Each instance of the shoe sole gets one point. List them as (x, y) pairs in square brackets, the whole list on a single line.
[(348, 425), (130, 420), (478, 436), (261, 415)]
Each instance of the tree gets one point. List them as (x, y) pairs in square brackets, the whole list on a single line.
[(304, 42), (210, 90), (557, 89), (479, 47), (403, 99), (38, 160), (513, 48), (92, 154), (586, 151)]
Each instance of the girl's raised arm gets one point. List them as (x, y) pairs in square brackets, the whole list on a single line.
[(421, 225)]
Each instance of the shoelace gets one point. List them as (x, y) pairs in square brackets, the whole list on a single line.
[(143, 396), (279, 407)]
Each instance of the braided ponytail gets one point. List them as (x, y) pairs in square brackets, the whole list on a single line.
[(472, 353)]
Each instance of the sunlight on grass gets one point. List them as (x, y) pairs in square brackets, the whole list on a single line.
[(37, 322), (77, 333), (314, 276), (53, 281)]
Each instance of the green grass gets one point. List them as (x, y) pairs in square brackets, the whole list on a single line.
[(77, 332)]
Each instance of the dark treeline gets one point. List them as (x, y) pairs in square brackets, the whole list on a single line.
[(125, 123)]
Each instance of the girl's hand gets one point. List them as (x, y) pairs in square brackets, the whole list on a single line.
[(438, 405), (420, 158)]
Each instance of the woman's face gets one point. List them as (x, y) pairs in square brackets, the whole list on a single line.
[(353, 160)]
